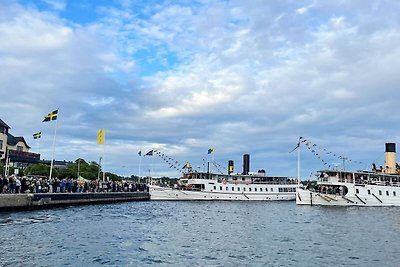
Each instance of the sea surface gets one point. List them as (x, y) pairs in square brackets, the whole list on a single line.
[(157, 233)]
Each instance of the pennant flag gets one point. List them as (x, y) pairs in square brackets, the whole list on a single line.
[(52, 116), (150, 153), (187, 165), (210, 151), (140, 153), (37, 135), (101, 136)]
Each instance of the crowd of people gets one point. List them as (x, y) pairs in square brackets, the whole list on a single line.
[(17, 185)]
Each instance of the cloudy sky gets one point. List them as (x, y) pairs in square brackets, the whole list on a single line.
[(185, 76)]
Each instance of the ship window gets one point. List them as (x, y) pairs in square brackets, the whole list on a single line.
[(266, 189), (261, 189), (215, 188), (294, 189), (357, 191), (238, 189), (249, 189), (369, 192), (233, 189), (243, 179), (255, 189), (380, 192), (394, 193), (272, 190), (280, 189), (244, 188), (226, 188), (387, 193), (220, 188)]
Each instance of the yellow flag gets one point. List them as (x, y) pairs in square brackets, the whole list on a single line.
[(101, 136)]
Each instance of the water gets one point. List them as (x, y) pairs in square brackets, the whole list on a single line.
[(201, 234)]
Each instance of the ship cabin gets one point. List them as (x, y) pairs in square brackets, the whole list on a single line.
[(253, 178), (338, 182), (358, 178)]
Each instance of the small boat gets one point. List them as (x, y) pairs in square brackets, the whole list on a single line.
[(213, 186), (379, 187)]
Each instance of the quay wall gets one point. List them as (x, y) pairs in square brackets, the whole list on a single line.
[(48, 200)]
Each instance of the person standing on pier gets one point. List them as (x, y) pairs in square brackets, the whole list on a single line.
[(5, 184)]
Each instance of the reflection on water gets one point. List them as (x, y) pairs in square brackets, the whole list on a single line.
[(202, 234)]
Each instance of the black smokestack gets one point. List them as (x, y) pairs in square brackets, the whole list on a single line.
[(246, 164), (230, 166), (390, 147)]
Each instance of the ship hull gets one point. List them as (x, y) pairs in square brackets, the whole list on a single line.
[(162, 193), (307, 197)]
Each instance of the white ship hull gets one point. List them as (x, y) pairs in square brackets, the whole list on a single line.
[(162, 193), (367, 196)]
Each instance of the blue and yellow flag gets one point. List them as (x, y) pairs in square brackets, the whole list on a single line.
[(210, 151), (101, 135), (52, 116), (37, 135)]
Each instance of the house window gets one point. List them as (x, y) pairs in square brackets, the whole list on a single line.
[(387, 193), (220, 188), (369, 192), (357, 191), (255, 189), (226, 188), (238, 189), (233, 189), (20, 148), (249, 189), (244, 188), (272, 190), (215, 188), (260, 189), (394, 193), (266, 189), (380, 192)]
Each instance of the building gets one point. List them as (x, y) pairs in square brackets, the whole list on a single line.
[(15, 149)]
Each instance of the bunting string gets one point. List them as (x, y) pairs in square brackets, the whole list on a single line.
[(321, 153)]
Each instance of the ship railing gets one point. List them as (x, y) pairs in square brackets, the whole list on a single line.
[(379, 183), (271, 182)]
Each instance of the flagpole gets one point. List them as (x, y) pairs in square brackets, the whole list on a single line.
[(103, 167), (54, 141), (140, 164), (298, 163), (152, 166), (6, 168)]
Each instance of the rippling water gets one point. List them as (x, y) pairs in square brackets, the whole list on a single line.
[(201, 233)]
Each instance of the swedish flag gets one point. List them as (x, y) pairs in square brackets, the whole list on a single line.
[(52, 116), (37, 135)]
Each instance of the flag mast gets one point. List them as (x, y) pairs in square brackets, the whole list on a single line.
[(140, 162), (298, 162), (54, 141)]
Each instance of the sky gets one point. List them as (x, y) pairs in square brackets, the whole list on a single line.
[(185, 76)]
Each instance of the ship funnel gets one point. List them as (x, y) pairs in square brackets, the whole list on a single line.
[(246, 164), (390, 158), (230, 166)]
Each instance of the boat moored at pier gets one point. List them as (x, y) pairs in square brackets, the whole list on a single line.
[(379, 187), (212, 186)]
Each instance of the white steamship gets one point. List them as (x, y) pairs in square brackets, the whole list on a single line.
[(212, 186), (379, 187)]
